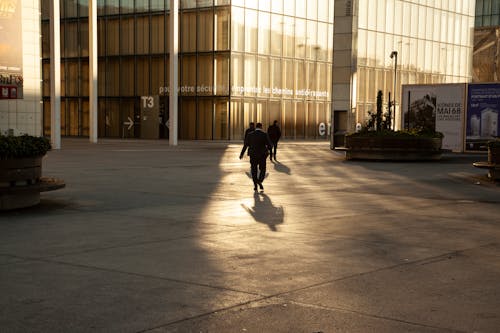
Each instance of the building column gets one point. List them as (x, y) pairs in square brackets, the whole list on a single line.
[(55, 75), (93, 71), (174, 70)]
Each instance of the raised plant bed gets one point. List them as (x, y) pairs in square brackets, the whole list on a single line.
[(493, 163), (393, 147), (21, 178)]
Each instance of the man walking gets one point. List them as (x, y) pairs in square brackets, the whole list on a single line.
[(275, 135), (258, 144)]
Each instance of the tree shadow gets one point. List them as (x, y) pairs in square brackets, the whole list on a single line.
[(265, 212)]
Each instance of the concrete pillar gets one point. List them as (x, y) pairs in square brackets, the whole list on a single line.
[(55, 75), (93, 71), (174, 70)]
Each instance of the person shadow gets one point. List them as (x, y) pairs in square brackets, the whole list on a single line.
[(265, 212), (280, 167)]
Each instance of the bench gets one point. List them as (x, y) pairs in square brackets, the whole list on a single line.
[(493, 169)]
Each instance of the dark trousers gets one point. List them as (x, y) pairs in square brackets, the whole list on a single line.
[(258, 163), (274, 148)]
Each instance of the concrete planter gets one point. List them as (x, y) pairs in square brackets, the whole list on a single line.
[(21, 182), (494, 155), (393, 148)]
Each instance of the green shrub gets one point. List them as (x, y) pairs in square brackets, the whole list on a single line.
[(399, 134), (23, 146)]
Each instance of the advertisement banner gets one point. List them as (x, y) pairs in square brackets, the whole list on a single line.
[(11, 52), (482, 114), (439, 107)]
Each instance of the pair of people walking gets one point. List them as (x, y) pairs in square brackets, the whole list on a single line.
[(260, 145)]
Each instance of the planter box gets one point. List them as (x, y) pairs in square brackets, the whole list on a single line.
[(19, 178), (393, 148), (494, 155)]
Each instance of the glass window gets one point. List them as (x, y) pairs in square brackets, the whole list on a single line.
[(312, 10), (84, 84), (204, 3), (71, 78), (184, 4), (237, 67), (188, 32), (251, 30), (221, 74), (126, 6), (142, 35), (289, 8), (127, 77), (238, 29), (158, 76), (221, 120), (322, 43), (252, 4), (205, 30), (188, 75), (264, 5), (158, 31), (84, 38), (102, 30), (288, 77), (142, 77), (381, 15), (276, 79), (311, 44), (264, 32), (250, 75), (323, 11), (187, 119), (300, 8), (300, 38), (69, 34), (157, 5), (389, 16), (288, 36), (205, 119), (127, 36), (221, 29), (263, 76), (69, 9), (112, 7), (205, 84), (276, 34), (277, 6), (141, 6), (112, 77)]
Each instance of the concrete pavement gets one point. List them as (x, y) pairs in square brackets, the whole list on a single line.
[(151, 238)]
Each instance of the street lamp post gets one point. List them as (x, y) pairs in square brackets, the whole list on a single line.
[(394, 54)]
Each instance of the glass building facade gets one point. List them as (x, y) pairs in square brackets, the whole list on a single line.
[(487, 13), (433, 41), (239, 61)]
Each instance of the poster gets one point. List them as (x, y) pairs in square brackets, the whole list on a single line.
[(11, 53), (483, 101), (439, 107)]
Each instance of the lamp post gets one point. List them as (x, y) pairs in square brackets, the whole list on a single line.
[(394, 54)]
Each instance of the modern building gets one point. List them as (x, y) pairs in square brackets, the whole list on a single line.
[(253, 60), (487, 41)]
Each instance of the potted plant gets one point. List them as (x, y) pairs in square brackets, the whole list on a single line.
[(21, 171), (376, 141), (21, 158)]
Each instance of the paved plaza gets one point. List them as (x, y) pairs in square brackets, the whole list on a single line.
[(151, 238)]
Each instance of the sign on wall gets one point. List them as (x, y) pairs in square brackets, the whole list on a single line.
[(482, 114), (11, 53), (441, 107)]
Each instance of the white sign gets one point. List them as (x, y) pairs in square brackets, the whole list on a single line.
[(130, 123), (440, 106)]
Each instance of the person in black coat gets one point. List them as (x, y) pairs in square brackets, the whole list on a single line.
[(248, 131), (275, 135), (258, 144)]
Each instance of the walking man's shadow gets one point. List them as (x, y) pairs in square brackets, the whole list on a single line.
[(265, 212), (280, 167)]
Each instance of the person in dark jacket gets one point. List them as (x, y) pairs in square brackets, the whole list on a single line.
[(258, 144), (249, 130), (275, 135)]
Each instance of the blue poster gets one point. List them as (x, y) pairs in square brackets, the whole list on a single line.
[(482, 114)]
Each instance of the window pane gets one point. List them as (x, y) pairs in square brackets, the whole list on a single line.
[(142, 78), (251, 30), (238, 29), (222, 74), (205, 75), (127, 36), (127, 77), (222, 29), (264, 32), (142, 35), (188, 75), (263, 76), (188, 32), (288, 36), (205, 30), (157, 34), (276, 34), (205, 120)]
